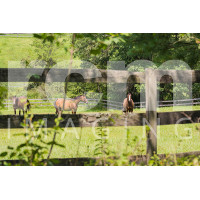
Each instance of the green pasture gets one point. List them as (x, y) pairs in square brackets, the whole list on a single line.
[(15, 49), (82, 143), (51, 110)]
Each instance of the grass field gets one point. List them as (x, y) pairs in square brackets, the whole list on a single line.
[(51, 110), (13, 48), (168, 140)]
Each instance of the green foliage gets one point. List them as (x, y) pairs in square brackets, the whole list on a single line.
[(48, 37), (46, 47), (90, 48), (101, 145), (173, 160), (155, 47), (158, 48), (3, 95)]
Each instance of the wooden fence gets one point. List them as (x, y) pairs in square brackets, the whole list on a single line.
[(150, 77)]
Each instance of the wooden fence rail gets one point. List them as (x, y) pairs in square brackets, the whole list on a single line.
[(95, 75)]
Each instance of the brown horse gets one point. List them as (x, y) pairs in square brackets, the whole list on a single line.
[(71, 104), (128, 104), (20, 103)]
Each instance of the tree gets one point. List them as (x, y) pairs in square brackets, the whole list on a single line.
[(155, 47)]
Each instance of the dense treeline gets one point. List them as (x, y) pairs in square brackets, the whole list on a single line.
[(158, 48)]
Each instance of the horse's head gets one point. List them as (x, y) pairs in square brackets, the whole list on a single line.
[(129, 97), (14, 100), (84, 99)]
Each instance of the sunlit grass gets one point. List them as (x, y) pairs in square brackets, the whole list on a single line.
[(13, 48), (169, 141), (116, 139), (51, 110), (177, 139)]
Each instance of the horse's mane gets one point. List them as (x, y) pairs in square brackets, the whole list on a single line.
[(77, 97)]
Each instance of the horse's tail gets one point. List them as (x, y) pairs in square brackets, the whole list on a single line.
[(28, 104)]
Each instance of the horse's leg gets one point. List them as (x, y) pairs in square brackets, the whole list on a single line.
[(19, 112), (56, 111), (15, 111), (59, 112)]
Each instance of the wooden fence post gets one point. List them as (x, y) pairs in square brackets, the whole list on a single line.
[(151, 111)]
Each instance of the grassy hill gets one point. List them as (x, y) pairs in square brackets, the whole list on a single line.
[(13, 48)]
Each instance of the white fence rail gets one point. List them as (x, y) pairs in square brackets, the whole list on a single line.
[(112, 104)]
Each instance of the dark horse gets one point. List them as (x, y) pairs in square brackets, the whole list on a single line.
[(128, 104), (69, 104), (20, 103)]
